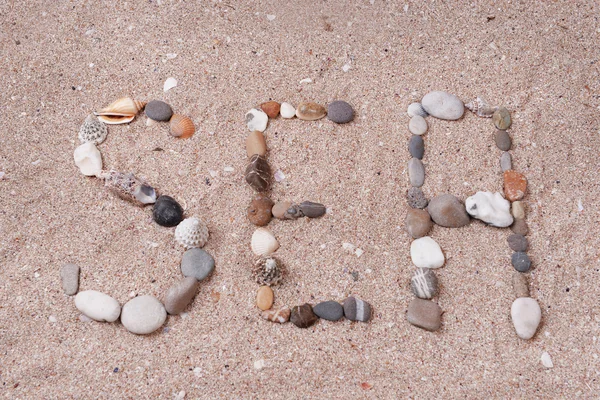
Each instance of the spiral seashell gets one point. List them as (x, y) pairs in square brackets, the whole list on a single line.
[(181, 126), (481, 108), (125, 106), (267, 271), (263, 242), (191, 232), (92, 130), (129, 187), (116, 120)]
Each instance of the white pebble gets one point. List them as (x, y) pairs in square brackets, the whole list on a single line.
[(279, 175), (306, 80), (490, 208), (2, 175), (88, 159), (257, 120), (270, 17), (526, 316), (287, 110), (546, 360), (417, 125), (36, 275), (98, 306), (416, 109), (443, 105), (349, 247), (228, 169), (359, 252), (346, 67), (179, 396), (36, 162), (426, 253)]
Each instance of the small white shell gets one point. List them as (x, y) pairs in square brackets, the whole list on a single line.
[(263, 242), (257, 119), (92, 130), (170, 83), (287, 110), (481, 108), (88, 158), (416, 109), (191, 232)]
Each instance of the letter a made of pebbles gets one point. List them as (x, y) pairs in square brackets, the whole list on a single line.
[(357, 309)]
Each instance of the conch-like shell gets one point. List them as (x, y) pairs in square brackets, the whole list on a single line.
[(181, 126), (129, 187), (191, 232), (124, 107), (481, 108), (116, 120), (263, 242)]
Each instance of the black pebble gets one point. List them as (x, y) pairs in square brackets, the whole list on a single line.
[(167, 211)]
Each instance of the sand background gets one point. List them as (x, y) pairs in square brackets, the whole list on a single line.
[(61, 60)]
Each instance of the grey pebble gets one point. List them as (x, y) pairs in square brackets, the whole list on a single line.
[(357, 310), (311, 209), (416, 147), (329, 310), (517, 242), (501, 118), (416, 198), (416, 172), (521, 261), (520, 227), (505, 161), (447, 210), (158, 110), (69, 276), (180, 295), (424, 283), (197, 263), (424, 314), (417, 223), (340, 112), (503, 140)]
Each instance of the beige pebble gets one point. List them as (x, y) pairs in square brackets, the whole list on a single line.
[(518, 209), (264, 298), (520, 285), (280, 208), (310, 111), (256, 144)]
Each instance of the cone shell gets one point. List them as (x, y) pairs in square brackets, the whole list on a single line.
[(125, 106), (263, 242), (181, 126), (116, 120), (191, 232)]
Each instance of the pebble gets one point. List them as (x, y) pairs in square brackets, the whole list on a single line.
[(518, 209), (167, 211), (280, 315), (520, 227), (416, 147), (520, 260), (258, 173), (180, 295), (443, 105), (357, 309), (256, 144), (98, 306), (264, 298), (446, 210), (340, 112), (271, 108), (259, 211), (256, 120), (505, 161), (517, 242), (503, 141), (280, 208), (424, 283), (515, 185), (418, 223), (303, 316), (416, 109), (143, 315), (417, 125), (526, 316), (310, 112), (312, 210), (490, 208), (197, 263), (69, 276), (424, 314), (501, 118), (287, 110), (426, 253), (88, 159), (416, 172), (329, 310), (158, 110), (520, 285), (416, 198)]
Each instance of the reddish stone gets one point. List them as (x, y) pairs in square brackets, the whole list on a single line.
[(271, 108), (515, 185)]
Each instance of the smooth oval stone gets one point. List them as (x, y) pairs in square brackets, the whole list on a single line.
[(503, 141), (416, 172), (158, 110), (517, 242), (197, 263), (340, 112), (357, 309), (426, 253), (518, 209), (446, 210), (490, 208), (520, 227), (310, 111), (69, 276), (258, 173), (264, 298), (271, 108), (256, 144), (167, 211), (312, 210), (180, 295), (418, 223), (259, 211), (424, 283), (329, 310), (416, 198), (143, 315), (256, 120), (520, 261), (416, 147), (287, 110), (443, 105), (505, 161), (515, 185), (520, 285), (424, 314), (417, 125), (526, 316), (280, 208), (416, 109), (98, 306), (501, 118), (303, 316)]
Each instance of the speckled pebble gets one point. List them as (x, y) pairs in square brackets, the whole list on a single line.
[(340, 112), (416, 147), (158, 110), (501, 118), (69, 276), (416, 198), (303, 316), (521, 261), (357, 309), (503, 141), (505, 161), (517, 242), (416, 172), (197, 263), (417, 125), (329, 310), (143, 315), (424, 314)]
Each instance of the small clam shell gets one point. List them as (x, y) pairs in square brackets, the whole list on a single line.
[(263, 242), (123, 107), (181, 126), (116, 120)]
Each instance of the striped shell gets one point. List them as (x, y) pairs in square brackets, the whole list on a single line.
[(124, 107), (181, 126), (191, 232), (263, 242)]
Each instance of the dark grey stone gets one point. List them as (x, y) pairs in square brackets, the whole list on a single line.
[(517, 242), (503, 140), (197, 263), (167, 211), (521, 261), (340, 112), (357, 310), (312, 210), (158, 110), (416, 146), (329, 310)]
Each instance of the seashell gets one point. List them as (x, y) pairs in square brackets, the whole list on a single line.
[(310, 111), (124, 107), (263, 242), (116, 120), (170, 83), (191, 232), (92, 130), (181, 126), (267, 271), (129, 187), (481, 108), (88, 158), (258, 173), (416, 109), (279, 315), (490, 208)]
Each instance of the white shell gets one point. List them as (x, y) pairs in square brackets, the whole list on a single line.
[(526, 315), (263, 242), (287, 110), (191, 232), (170, 83), (490, 208), (88, 158), (98, 306), (92, 130), (481, 108), (256, 120), (426, 253), (416, 109)]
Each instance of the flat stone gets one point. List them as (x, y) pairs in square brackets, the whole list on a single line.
[(505, 161), (515, 185), (256, 144), (310, 112), (180, 295), (418, 223), (280, 208), (526, 316), (311, 209), (279, 315), (426, 253), (416, 147), (520, 227), (259, 210), (416, 109), (503, 141), (520, 261), (303, 316), (98, 306), (158, 110), (197, 263), (69, 276), (490, 208), (520, 285), (167, 211), (424, 314), (417, 125), (518, 209), (357, 309), (329, 310), (143, 315), (517, 242), (416, 172), (264, 298), (258, 173), (416, 198), (446, 210), (271, 108), (424, 283), (340, 112), (501, 118), (257, 120), (443, 105)]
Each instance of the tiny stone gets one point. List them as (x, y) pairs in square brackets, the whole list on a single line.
[(293, 212), (340, 112), (259, 211), (518, 209), (417, 223), (505, 161), (271, 108), (520, 285), (517, 242), (52, 319), (546, 360), (180, 295), (303, 316), (424, 283), (416, 172), (503, 141), (258, 173), (158, 110), (264, 298), (281, 315), (312, 210), (424, 314), (287, 110), (280, 208), (521, 261), (417, 125), (197, 263), (256, 144), (515, 185), (416, 198), (329, 310), (357, 309), (501, 118), (310, 112), (520, 227), (69, 275), (416, 147), (143, 315), (446, 210), (167, 211)]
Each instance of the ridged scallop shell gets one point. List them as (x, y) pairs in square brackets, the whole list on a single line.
[(92, 130), (129, 187), (125, 106), (181, 126), (263, 242), (481, 108), (416, 109), (191, 232)]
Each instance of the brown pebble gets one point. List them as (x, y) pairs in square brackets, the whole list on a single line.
[(310, 111), (259, 210), (520, 227), (417, 223), (503, 141), (280, 208), (515, 185), (518, 209), (303, 316), (271, 108), (255, 144), (424, 314), (180, 295), (280, 315), (258, 173), (520, 285), (264, 298)]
